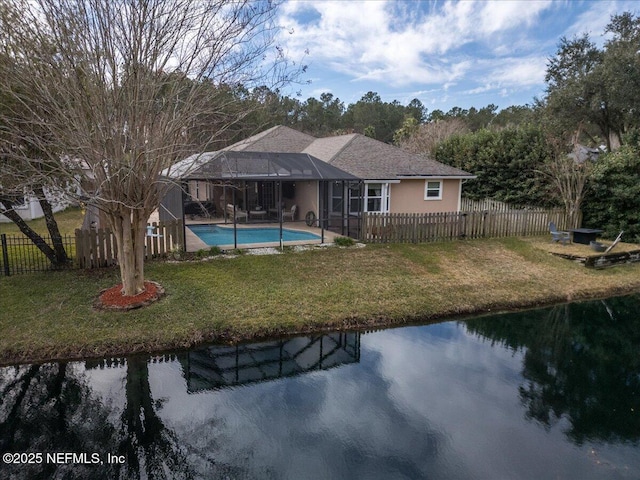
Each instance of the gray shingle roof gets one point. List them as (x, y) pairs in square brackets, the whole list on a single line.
[(371, 159), (279, 139), (361, 156)]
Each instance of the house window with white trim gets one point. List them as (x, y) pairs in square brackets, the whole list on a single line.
[(433, 190), (377, 197)]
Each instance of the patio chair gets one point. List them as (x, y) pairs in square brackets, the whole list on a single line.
[(239, 213), (291, 213), (558, 236)]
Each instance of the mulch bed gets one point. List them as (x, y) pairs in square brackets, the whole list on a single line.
[(112, 298)]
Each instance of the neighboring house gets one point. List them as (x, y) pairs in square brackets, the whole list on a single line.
[(396, 181), (29, 208), (582, 153)]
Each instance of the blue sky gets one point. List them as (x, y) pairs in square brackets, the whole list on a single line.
[(445, 53)]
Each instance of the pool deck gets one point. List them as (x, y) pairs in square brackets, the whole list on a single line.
[(193, 242)]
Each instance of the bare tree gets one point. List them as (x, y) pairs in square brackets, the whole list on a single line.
[(119, 90), (569, 174), (427, 136)]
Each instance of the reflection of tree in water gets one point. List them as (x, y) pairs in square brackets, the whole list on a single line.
[(151, 449), (581, 361), (49, 408)]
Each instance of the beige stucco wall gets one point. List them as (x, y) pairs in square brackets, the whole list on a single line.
[(408, 197), (203, 189), (306, 198)]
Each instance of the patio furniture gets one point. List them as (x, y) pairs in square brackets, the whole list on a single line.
[(291, 213), (558, 236), (239, 213), (151, 231), (257, 213), (584, 235), (196, 209), (615, 242), (276, 209)]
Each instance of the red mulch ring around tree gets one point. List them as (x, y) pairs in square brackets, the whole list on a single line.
[(112, 298)]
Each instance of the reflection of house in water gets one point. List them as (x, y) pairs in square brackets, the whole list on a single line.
[(223, 366)]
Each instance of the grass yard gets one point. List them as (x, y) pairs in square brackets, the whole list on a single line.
[(68, 220), (50, 315), (25, 256)]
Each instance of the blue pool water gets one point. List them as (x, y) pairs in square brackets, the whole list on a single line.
[(217, 235)]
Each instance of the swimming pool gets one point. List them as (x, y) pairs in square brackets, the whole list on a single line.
[(215, 235)]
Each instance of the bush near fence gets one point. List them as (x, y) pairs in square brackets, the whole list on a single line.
[(88, 249), (429, 227)]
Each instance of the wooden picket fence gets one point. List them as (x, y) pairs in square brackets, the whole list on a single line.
[(428, 227), (468, 205), (97, 248)]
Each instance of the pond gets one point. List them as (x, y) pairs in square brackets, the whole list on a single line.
[(543, 394)]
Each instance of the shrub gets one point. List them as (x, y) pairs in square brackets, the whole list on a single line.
[(344, 241)]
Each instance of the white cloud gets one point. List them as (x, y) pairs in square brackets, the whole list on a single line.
[(506, 15), (467, 47), (520, 71), (594, 20), (377, 40)]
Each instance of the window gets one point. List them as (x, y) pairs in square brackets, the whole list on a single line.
[(374, 197), (433, 190), (377, 197)]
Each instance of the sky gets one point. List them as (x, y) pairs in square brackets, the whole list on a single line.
[(445, 53)]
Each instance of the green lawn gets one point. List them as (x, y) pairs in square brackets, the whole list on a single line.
[(24, 254), (68, 220), (50, 315)]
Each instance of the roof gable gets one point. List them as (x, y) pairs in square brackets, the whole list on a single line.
[(368, 158), (279, 139)]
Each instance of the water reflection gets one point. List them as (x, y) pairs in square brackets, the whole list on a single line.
[(222, 366), (47, 408), (581, 363), (550, 393)]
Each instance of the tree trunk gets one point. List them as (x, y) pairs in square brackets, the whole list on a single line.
[(28, 231), (52, 226), (129, 228)]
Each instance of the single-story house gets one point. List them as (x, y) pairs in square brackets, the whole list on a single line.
[(396, 181), (283, 174)]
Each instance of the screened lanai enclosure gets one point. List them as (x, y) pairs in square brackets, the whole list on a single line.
[(239, 193)]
